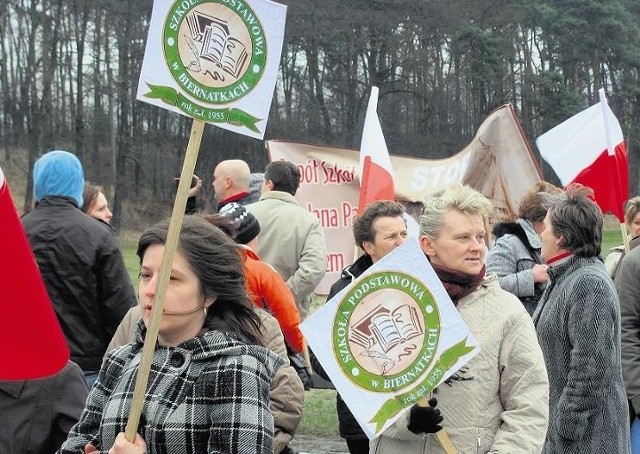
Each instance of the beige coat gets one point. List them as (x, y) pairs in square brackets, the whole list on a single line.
[(292, 241), (287, 393), (500, 403)]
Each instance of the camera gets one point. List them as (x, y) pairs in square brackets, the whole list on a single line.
[(194, 181)]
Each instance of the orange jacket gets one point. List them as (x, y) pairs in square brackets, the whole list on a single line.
[(269, 291)]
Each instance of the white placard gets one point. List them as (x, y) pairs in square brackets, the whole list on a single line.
[(216, 61), (390, 337)]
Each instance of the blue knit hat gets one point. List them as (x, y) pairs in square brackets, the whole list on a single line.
[(58, 173)]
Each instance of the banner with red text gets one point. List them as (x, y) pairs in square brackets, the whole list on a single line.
[(498, 162)]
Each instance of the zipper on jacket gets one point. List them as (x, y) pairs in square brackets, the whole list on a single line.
[(479, 444)]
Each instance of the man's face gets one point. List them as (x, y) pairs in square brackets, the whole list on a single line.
[(390, 232), (460, 245), (267, 185), (635, 225), (219, 184)]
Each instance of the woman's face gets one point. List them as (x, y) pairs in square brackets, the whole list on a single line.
[(389, 233), (460, 244), (183, 313), (635, 225), (550, 242), (100, 209)]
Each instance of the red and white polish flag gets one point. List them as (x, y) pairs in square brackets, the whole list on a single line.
[(31, 342), (589, 149), (376, 173)]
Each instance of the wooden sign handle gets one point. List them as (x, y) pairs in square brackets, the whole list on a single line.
[(441, 435), (175, 225), (625, 237)]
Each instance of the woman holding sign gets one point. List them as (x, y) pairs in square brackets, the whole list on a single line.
[(209, 382), (498, 402)]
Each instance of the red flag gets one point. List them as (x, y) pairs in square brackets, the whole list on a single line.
[(589, 149), (376, 173), (31, 342)]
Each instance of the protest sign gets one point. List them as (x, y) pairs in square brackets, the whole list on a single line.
[(390, 337), (216, 61)]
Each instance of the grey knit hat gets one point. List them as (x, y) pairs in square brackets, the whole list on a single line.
[(245, 224)]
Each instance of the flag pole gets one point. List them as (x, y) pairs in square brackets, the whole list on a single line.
[(175, 225), (611, 151)]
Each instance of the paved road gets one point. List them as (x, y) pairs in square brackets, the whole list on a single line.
[(309, 444)]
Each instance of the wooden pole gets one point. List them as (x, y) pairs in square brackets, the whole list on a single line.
[(175, 225), (441, 435), (625, 237)]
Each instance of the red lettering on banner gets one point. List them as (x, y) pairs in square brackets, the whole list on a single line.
[(309, 172), (335, 262), (348, 213), (328, 216), (333, 174)]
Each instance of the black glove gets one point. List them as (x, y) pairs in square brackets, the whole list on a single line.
[(425, 420)]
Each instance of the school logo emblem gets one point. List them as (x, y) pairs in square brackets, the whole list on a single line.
[(216, 52), (386, 332)]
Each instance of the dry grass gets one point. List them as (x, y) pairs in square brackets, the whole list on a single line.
[(320, 417)]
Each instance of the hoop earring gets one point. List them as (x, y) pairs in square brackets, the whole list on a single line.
[(205, 312)]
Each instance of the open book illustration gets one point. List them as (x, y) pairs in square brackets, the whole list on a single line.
[(386, 328), (216, 44)]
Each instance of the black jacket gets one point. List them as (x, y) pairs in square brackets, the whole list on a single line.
[(37, 414), (349, 427), (84, 273)]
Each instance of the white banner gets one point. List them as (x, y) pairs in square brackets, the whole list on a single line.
[(498, 163), (389, 338), (216, 61)]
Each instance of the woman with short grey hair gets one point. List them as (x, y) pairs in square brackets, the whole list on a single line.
[(498, 401), (578, 325)]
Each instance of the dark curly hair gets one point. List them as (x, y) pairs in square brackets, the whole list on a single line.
[(363, 225)]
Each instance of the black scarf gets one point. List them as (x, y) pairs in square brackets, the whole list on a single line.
[(457, 284)]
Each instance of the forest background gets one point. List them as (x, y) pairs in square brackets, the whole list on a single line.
[(69, 71)]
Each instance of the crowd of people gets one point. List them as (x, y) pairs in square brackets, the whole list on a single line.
[(557, 371)]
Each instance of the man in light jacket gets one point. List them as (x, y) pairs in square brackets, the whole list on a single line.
[(291, 238)]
